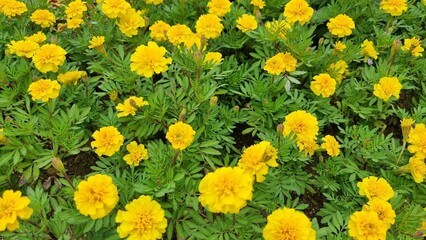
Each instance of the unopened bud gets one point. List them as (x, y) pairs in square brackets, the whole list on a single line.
[(54, 39), (406, 126), (58, 165), (213, 101), (113, 95), (236, 108), (320, 41), (182, 115), (395, 47), (280, 129), (198, 57)]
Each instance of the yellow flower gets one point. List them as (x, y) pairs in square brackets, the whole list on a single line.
[(75, 9), (246, 23), (307, 144), (96, 197), (178, 34), (43, 17), (413, 45), (298, 11), (180, 135), (71, 77), (256, 159), (209, 25), (194, 39), (226, 190), (12, 207), (142, 219), (23, 48), (301, 124), (73, 23), (338, 70), (281, 63), (387, 87), (12, 8), (128, 108), (339, 46), (323, 85), (213, 57), (136, 153), (115, 8), (38, 37), (108, 141), (3, 138), (96, 41), (341, 25), (159, 30), (49, 57), (277, 28), (155, 2), (44, 90), (406, 126), (417, 139), (130, 22), (258, 3), (366, 225), (219, 7), (368, 50), (149, 59), (288, 223), (383, 209), (394, 7), (373, 187), (331, 145)]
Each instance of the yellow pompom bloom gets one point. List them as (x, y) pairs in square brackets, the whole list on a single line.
[(75, 9), (142, 219), (155, 2), (96, 41), (194, 39), (71, 77), (298, 11), (278, 28), (213, 57), (366, 225), (73, 23), (417, 139), (383, 209), (209, 25), (394, 7), (280, 63), (246, 23), (158, 30), (307, 144), (23, 48), (413, 45), (256, 159), (137, 152), (38, 37), (288, 223), (115, 8), (3, 138), (339, 46), (368, 50), (331, 145), (258, 3), (12, 207), (128, 107), (323, 85), (387, 87), (178, 34), (108, 141), (373, 187), (130, 22), (43, 17), (180, 135), (219, 7), (226, 190), (49, 57), (341, 25), (338, 70), (96, 197), (149, 59), (12, 8), (44, 90), (301, 123)]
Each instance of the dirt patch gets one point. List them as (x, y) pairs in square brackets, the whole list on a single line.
[(79, 164)]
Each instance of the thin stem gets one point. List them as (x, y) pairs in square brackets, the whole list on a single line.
[(404, 143), (69, 180), (175, 157)]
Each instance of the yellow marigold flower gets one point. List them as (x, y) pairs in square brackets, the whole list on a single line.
[(387, 87), (49, 57), (394, 7), (339, 46), (417, 139), (13, 8), (136, 153), (373, 187), (226, 190), (3, 138), (406, 126), (298, 11), (323, 85), (368, 50), (44, 90), (194, 39), (130, 22), (213, 57), (142, 219), (366, 225), (331, 145), (12, 207), (158, 30), (75, 9), (115, 8), (219, 7), (288, 223), (413, 45), (96, 197), (301, 124), (278, 28), (71, 77), (38, 37), (73, 23), (43, 17), (338, 70), (128, 107), (178, 33), (256, 159), (96, 41), (108, 141), (180, 135), (209, 25), (341, 25), (246, 23), (23, 48), (258, 3), (155, 2), (383, 209), (307, 144), (280, 63), (149, 59)]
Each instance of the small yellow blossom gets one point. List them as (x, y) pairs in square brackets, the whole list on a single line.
[(178, 34), (387, 87), (3, 138), (302, 124), (417, 139), (13, 8), (129, 106), (158, 31), (417, 167), (258, 3), (365, 225), (130, 22), (43, 17), (373, 187), (406, 126), (219, 7), (23, 48), (155, 2), (246, 23), (44, 90), (115, 8), (49, 57), (341, 25), (338, 70), (368, 50), (394, 7), (71, 77), (149, 59), (180, 135), (12, 208), (298, 11), (137, 152), (257, 159), (73, 23), (280, 63), (96, 41), (38, 37), (339, 46), (108, 141), (331, 145), (307, 144), (323, 85), (213, 57), (383, 209), (413, 45), (209, 26), (75, 9)]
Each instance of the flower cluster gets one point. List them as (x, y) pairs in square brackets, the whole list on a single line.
[(256, 159), (129, 19), (305, 128), (12, 207), (75, 11), (281, 63)]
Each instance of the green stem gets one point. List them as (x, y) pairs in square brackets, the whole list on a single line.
[(404, 143)]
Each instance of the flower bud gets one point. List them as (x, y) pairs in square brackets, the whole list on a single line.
[(198, 57), (58, 165), (213, 101), (113, 95), (406, 126), (182, 115), (54, 39), (280, 129), (236, 108)]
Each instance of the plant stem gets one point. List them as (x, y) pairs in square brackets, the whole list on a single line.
[(404, 143)]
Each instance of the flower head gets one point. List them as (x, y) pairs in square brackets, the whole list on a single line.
[(406, 126), (71, 77), (49, 57), (339, 46), (394, 7), (341, 25), (307, 144), (178, 34), (338, 70), (149, 59), (137, 152), (115, 8), (219, 7), (323, 85), (142, 219), (213, 57), (12, 207), (302, 124), (246, 23), (96, 196), (23, 48), (209, 25), (180, 135), (288, 223), (43, 17), (256, 159), (73, 23), (373, 187), (75, 9), (130, 105), (387, 87), (280, 63), (413, 45), (368, 50), (298, 11), (96, 41), (258, 3), (159, 30), (108, 141), (417, 139), (38, 37), (12, 8), (3, 138), (365, 225), (331, 145), (44, 90), (130, 22), (383, 209), (226, 190)]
